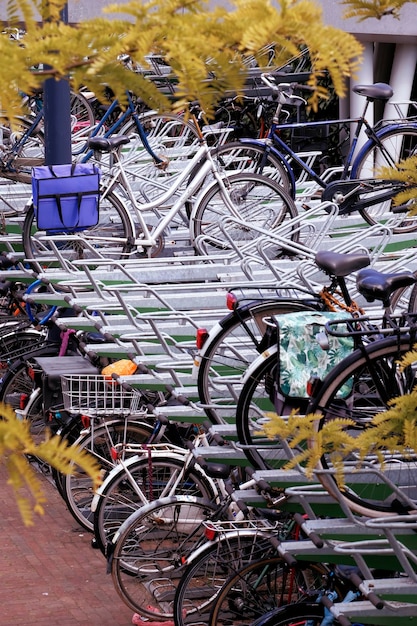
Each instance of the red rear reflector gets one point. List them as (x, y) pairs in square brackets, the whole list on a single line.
[(210, 533), (31, 373), (312, 386), (85, 421), (23, 400), (201, 337), (114, 453), (231, 300)]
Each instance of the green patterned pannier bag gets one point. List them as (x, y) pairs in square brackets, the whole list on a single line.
[(301, 337)]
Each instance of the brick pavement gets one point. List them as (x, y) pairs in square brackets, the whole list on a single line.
[(49, 573)]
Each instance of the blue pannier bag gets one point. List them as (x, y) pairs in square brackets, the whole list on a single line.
[(66, 197)]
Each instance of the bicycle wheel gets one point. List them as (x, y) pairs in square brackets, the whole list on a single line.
[(394, 144), (232, 345), (24, 156), (259, 398), (248, 156), (262, 587), (172, 139), (112, 238), (302, 614), (254, 206), (17, 344), (143, 479), (81, 109), (82, 121), (210, 568), (373, 378), (17, 386), (150, 548), (77, 488)]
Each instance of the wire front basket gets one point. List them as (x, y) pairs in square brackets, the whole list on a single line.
[(96, 395)]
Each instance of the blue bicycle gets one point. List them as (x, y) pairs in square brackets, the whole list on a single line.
[(352, 186)]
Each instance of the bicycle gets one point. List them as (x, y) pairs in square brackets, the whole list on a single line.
[(265, 390), (125, 232), (357, 189), (159, 537), (156, 470), (162, 138), (228, 349), (232, 547)]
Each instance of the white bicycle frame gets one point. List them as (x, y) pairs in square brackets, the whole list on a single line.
[(148, 238)]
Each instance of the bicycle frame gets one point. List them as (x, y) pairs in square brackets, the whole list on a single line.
[(147, 237), (281, 150), (8, 164), (130, 111)]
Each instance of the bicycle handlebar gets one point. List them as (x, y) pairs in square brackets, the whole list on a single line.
[(285, 90)]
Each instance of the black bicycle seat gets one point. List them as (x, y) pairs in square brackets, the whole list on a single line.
[(377, 91), (338, 264)]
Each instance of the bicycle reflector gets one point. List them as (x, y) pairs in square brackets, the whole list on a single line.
[(231, 301), (210, 533), (313, 386), (201, 337)]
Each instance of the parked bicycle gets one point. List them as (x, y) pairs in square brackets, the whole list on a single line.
[(352, 186), (357, 387), (128, 228)]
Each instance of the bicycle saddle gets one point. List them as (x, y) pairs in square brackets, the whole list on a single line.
[(107, 144), (374, 285), (338, 264), (378, 91)]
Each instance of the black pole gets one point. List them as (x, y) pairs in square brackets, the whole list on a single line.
[(57, 116)]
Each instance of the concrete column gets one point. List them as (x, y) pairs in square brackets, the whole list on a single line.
[(402, 77)]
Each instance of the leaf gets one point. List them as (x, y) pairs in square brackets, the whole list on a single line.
[(365, 9), (204, 67), (16, 442)]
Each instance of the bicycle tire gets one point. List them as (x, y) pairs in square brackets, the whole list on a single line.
[(81, 108), (150, 548), (257, 400), (232, 345), (82, 121), (77, 487), (247, 156), (302, 614), (156, 474), (30, 153), (261, 204), (368, 496), (17, 344), (114, 233), (395, 144), (211, 567), (172, 138), (262, 587), (412, 300), (16, 387)]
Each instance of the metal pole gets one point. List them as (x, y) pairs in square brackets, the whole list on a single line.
[(57, 117)]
